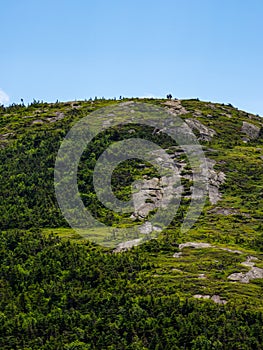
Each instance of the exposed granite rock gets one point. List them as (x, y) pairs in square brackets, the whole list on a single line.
[(177, 255), (215, 180), (148, 228), (121, 247), (148, 194), (252, 131), (227, 211), (245, 277), (249, 260), (194, 245), (176, 107), (235, 251), (242, 277), (216, 298), (201, 296), (58, 116), (200, 245), (206, 133)]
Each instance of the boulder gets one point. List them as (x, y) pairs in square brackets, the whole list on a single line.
[(252, 131)]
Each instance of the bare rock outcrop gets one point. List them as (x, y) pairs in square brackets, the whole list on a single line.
[(201, 245), (216, 298), (227, 211), (59, 116), (234, 251), (148, 194), (123, 246), (146, 197), (206, 133), (175, 107), (215, 180), (252, 131), (148, 228), (177, 255), (197, 245), (245, 277)]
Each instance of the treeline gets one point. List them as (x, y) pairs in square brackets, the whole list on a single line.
[(61, 295)]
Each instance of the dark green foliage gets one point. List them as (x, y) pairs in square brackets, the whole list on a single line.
[(26, 187), (59, 295)]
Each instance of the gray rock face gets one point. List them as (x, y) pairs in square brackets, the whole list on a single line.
[(58, 116), (201, 245), (201, 296), (148, 194), (148, 228), (252, 131), (245, 277), (194, 245), (176, 107), (177, 255), (215, 180), (254, 273), (121, 247), (249, 262), (227, 211), (235, 251), (206, 133), (50, 119), (216, 298)]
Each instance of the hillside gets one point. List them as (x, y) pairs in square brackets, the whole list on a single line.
[(199, 289)]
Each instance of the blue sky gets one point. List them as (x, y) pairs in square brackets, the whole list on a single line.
[(67, 50)]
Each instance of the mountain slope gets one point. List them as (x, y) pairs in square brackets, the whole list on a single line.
[(196, 290)]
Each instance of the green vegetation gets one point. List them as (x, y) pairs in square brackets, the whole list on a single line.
[(60, 295), (59, 290)]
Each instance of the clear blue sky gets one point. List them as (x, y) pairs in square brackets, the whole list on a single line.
[(67, 50)]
